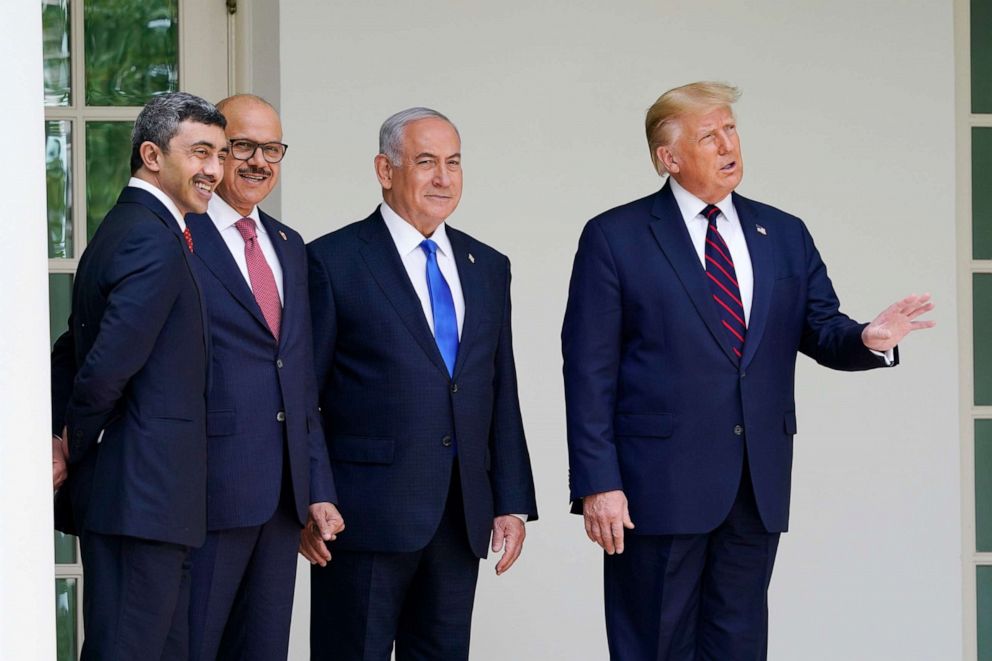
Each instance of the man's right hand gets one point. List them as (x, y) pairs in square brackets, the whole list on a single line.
[(60, 461), (605, 517)]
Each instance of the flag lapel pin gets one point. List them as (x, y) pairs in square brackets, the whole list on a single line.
[(761, 230)]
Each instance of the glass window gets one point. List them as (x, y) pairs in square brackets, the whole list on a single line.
[(981, 56), (58, 176), (65, 619), (108, 157), (131, 50), (982, 311), (981, 192), (57, 62)]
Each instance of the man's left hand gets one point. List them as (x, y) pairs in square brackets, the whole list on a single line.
[(325, 521), (897, 321), (508, 533)]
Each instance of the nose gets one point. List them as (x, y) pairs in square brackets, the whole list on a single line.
[(256, 159), (214, 166), (724, 143), (442, 179)]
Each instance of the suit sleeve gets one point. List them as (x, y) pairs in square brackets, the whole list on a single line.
[(63, 373), (590, 340), (830, 337), (511, 474), (321, 479), (142, 281)]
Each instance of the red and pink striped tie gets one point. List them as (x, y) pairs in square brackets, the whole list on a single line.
[(722, 277), (263, 283)]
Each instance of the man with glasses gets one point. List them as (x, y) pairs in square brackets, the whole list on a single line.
[(267, 466)]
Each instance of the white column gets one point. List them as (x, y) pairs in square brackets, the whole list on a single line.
[(27, 613)]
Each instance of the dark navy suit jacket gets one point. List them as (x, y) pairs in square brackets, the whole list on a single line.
[(657, 405), (135, 355), (262, 399), (392, 413)]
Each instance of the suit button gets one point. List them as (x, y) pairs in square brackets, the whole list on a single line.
[(454, 387), (446, 441), (743, 374), (279, 363), (281, 416), (738, 430)]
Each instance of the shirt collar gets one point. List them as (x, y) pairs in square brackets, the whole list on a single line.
[(407, 238), (224, 215), (135, 182), (691, 206)]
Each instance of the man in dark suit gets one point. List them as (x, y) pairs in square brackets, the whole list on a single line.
[(419, 398), (134, 420), (267, 460), (685, 314)]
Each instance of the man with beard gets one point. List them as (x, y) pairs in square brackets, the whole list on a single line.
[(267, 463)]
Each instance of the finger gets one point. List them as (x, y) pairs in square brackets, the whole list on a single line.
[(920, 325), (324, 527), (606, 536), (314, 550), (627, 523), (513, 548), (498, 540), (616, 530), (589, 534), (594, 533)]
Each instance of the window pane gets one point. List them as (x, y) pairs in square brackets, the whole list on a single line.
[(55, 31), (981, 56), (65, 618), (59, 303), (982, 310), (981, 192), (132, 50), (65, 549), (108, 155), (983, 485), (58, 175)]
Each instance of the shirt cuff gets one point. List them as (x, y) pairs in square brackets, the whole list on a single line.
[(888, 356), (522, 517)]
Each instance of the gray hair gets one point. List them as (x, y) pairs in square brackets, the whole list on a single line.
[(391, 131), (158, 122)]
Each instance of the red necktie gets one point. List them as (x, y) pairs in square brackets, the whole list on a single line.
[(263, 283), (189, 238), (722, 276)]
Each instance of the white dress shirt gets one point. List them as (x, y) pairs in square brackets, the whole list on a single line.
[(729, 226), (134, 182), (224, 217), (408, 240)]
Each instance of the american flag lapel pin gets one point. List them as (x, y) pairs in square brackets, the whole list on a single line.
[(471, 258), (283, 235), (761, 230)]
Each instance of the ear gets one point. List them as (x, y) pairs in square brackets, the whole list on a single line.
[(384, 171), (665, 156), (151, 156)]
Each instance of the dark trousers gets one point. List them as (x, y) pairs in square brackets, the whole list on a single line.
[(243, 580), (364, 601), (693, 597), (135, 599)]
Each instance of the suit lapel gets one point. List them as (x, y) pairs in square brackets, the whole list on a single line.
[(672, 236), (759, 246), (470, 278), (289, 271), (383, 261), (213, 253)]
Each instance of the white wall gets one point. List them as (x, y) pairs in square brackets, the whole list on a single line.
[(847, 120), (27, 623)]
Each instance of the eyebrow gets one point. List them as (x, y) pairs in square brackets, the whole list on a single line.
[(426, 154)]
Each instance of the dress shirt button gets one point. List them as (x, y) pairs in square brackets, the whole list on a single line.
[(446, 441), (279, 363), (281, 416), (738, 430), (454, 387)]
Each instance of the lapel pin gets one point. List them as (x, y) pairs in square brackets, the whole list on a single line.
[(283, 235), (761, 230), (471, 258)]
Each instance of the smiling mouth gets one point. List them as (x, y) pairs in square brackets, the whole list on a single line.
[(203, 187)]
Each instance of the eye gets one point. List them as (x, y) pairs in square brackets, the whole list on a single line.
[(426, 162), (200, 152), (454, 164)]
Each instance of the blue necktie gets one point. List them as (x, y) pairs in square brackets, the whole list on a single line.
[(722, 277), (443, 307)]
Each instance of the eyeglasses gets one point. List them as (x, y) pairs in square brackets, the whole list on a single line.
[(244, 150)]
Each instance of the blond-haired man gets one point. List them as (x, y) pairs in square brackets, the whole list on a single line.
[(686, 311)]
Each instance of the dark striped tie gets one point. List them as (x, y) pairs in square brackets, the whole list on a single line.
[(722, 277)]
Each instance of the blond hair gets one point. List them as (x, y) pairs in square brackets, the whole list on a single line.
[(661, 124)]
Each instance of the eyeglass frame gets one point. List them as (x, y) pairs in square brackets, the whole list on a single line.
[(259, 145)]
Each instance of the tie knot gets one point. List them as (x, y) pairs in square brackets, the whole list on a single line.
[(711, 212), (246, 226), (429, 247)]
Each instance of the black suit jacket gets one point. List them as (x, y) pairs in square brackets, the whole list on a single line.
[(392, 413), (136, 356)]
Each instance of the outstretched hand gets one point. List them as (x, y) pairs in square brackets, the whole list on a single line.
[(897, 321)]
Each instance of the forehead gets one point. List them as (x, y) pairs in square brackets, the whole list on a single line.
[(432, 135), (703, 120), (191, 132), (256, 121)]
